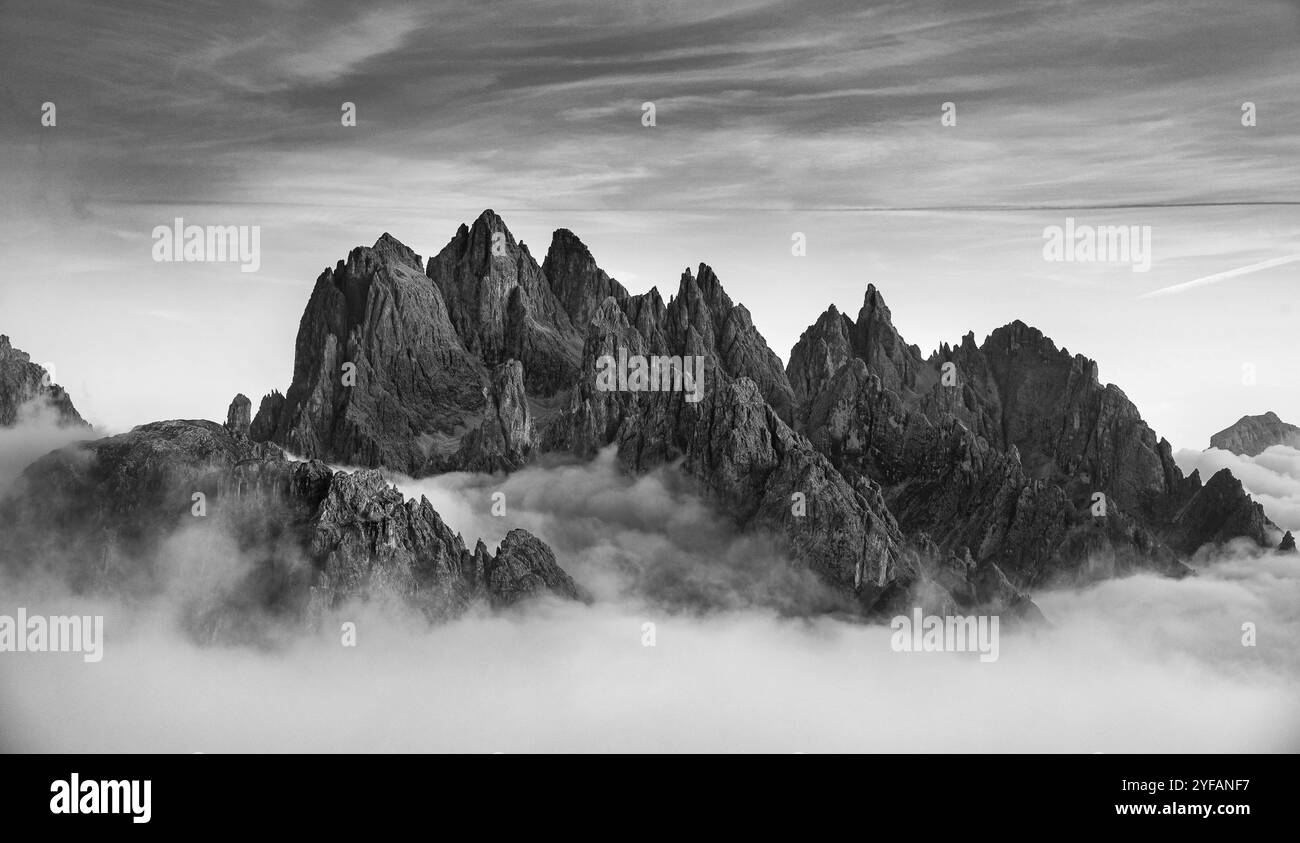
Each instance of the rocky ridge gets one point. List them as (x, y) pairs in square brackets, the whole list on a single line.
[(957, 482), (308, 538), (1252, 435), (1001, 462), (23, 382)]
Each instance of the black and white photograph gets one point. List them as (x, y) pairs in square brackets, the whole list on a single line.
[(895, 378)]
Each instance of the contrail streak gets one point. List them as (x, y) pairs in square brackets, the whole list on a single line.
[(1221, 276)]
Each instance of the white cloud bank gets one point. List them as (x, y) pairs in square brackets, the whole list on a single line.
[(1136, 665)]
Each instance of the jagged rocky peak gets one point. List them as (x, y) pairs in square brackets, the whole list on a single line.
[(237, 416), (834, 339), (524, 567), (822, 350), (1252, 435), (380, 373), (1006, 456), (878, 342), (1030, 347), (393, 249), (23, 383), (579, 284), (702, 320), (267, 420), (1219, 512), (502, 307), (1287, 545), (1026, 392)]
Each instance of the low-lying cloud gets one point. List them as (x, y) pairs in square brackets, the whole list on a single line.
[(36, 432), (1272, 477), (1143, 664)]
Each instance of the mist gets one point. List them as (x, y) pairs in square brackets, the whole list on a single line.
[(748, 655), (35, 432), (1272, 477)]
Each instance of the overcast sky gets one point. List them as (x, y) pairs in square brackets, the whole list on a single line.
[(771, 118)]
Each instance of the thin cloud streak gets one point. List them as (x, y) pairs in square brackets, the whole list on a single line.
[(1221, 276)]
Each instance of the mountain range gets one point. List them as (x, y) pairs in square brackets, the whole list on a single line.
[(961, 481)]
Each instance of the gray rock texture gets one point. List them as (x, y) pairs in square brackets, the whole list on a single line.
[(23, 382), (1252, 435)]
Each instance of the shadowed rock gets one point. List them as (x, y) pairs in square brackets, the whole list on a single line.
[(237, 416), (23, 383), (1013, 449), (380, 375), (246, 536), (504, 439), (267, 420)]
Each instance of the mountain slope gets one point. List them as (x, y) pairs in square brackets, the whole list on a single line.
[(1252, 435), (23, 382), (1012, 449)]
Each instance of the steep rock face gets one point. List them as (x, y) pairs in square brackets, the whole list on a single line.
[(835, 339), (747, 461), (237, 416), (1218, 513), (702, 319), (23, 382), (502, 306), (1012, 449), (943, 480), (522, 568), (751, 463), (878, 343), (504, 439), (579, 285), (821, 352), (393, 369), (267, 420), (1066, 425), (370, 543), (1252, 435), (293, 538), (380, 374)]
